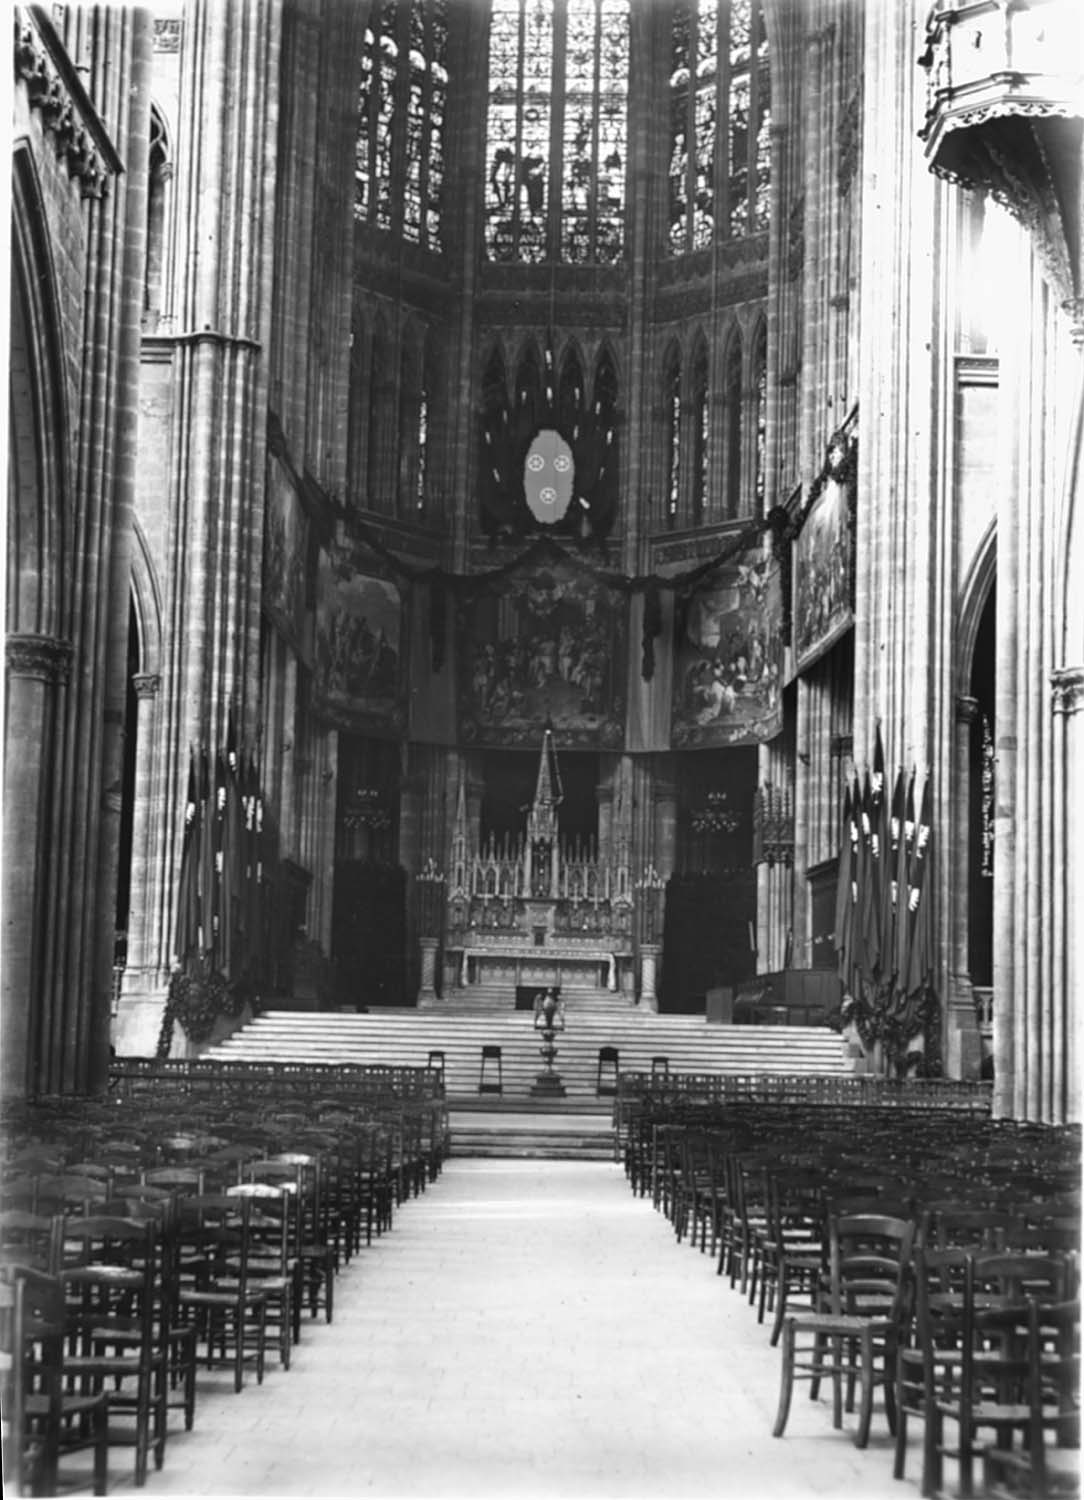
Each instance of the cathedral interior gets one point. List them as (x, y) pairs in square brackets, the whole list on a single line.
[(505, 493)]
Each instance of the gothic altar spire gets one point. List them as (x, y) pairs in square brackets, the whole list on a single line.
[(542, 819)]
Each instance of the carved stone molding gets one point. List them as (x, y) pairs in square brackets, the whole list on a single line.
[(1067, 690), (55, 90), (967, 709), (39, 656), (167, 34), (146, 684)]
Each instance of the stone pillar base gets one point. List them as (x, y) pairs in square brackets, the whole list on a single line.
[(427, 993), (649, 958), (138, 1021)]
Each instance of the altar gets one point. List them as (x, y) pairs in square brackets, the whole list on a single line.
[(513, 966), (537, 911)]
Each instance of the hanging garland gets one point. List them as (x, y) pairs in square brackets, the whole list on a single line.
[(546, 551)]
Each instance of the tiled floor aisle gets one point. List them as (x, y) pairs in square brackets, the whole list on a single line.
[(527, 1329)]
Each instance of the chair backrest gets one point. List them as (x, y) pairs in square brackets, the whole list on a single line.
[(868, 1260)]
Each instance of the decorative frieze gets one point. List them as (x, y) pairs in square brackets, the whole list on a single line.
[(39, 656), (55, 90)]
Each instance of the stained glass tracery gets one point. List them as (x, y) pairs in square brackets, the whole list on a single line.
[(558, 93), (720, 144), (404, 84)]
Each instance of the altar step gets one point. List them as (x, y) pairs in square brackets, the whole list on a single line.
[(405, 1037), (493, 997), (556, 1134)]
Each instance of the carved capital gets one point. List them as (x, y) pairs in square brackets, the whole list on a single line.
[(146, 684), (967, 709), (40, 656), (1067, 690)]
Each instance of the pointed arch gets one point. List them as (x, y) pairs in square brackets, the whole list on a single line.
[(159, 201), (357, 418), (732, 423), (37, 471), (671, 422), (146, 603), (700, 440), (973, 596), (758, 381), (571, 393), (381, 418)]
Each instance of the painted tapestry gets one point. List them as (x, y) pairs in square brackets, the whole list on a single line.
[(359, 647), (729, 657), (823, 564), (548, 648), (286, 539)]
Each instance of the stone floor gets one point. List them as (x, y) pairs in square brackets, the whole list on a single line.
[(528, 1328)]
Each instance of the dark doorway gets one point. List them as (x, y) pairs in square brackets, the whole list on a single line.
[(706, 937), (368, 933), (981, 800)]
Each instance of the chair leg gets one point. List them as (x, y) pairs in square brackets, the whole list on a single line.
[(899, 1460), (865, 1412), (787, 1381)]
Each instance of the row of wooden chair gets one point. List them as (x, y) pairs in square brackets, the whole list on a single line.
[(887, 1245), (149, 1237)]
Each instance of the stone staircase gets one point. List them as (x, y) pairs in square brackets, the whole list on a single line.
[(513, 1122)]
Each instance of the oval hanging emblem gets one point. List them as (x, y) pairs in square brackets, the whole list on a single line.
[(547, 477)]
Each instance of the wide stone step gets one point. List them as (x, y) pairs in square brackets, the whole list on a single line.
[(405, 1037)]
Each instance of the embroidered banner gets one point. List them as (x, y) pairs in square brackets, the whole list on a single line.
[(823, 562), (548, 648), (359, 648), (729, 657), (286, 540)]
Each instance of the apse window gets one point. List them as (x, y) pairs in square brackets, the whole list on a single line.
[(556, 132), (720, 117)]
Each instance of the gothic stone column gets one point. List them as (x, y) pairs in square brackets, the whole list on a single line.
[(36, 666), (963, 1044)]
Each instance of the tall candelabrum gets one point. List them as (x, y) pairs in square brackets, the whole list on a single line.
[(549, 1019)]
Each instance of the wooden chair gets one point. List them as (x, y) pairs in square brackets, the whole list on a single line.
[(491, 1054), (859, 1326), (109, 1267), (216, 1294), (990, 1392), (273, 1261), (928, 1362), (606, 1071), (41, 1421), (1038, 1469), (794, 1246)]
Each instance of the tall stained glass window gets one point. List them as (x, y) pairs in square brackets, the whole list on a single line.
[(672, 424), (720, 108), (399, 158), (701, 423), (556, 130)]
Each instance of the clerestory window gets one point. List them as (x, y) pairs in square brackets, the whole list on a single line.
[(556, 131), (399, 157), (720, 114)]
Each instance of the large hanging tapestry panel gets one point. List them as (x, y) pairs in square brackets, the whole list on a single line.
[(545, 646), (360, 648), (729, 656), (286, 538), (823, 561)]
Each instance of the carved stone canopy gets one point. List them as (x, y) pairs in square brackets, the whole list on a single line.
[(1001, 120)]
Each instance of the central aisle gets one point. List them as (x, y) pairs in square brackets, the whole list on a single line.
[(527, 1328)]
